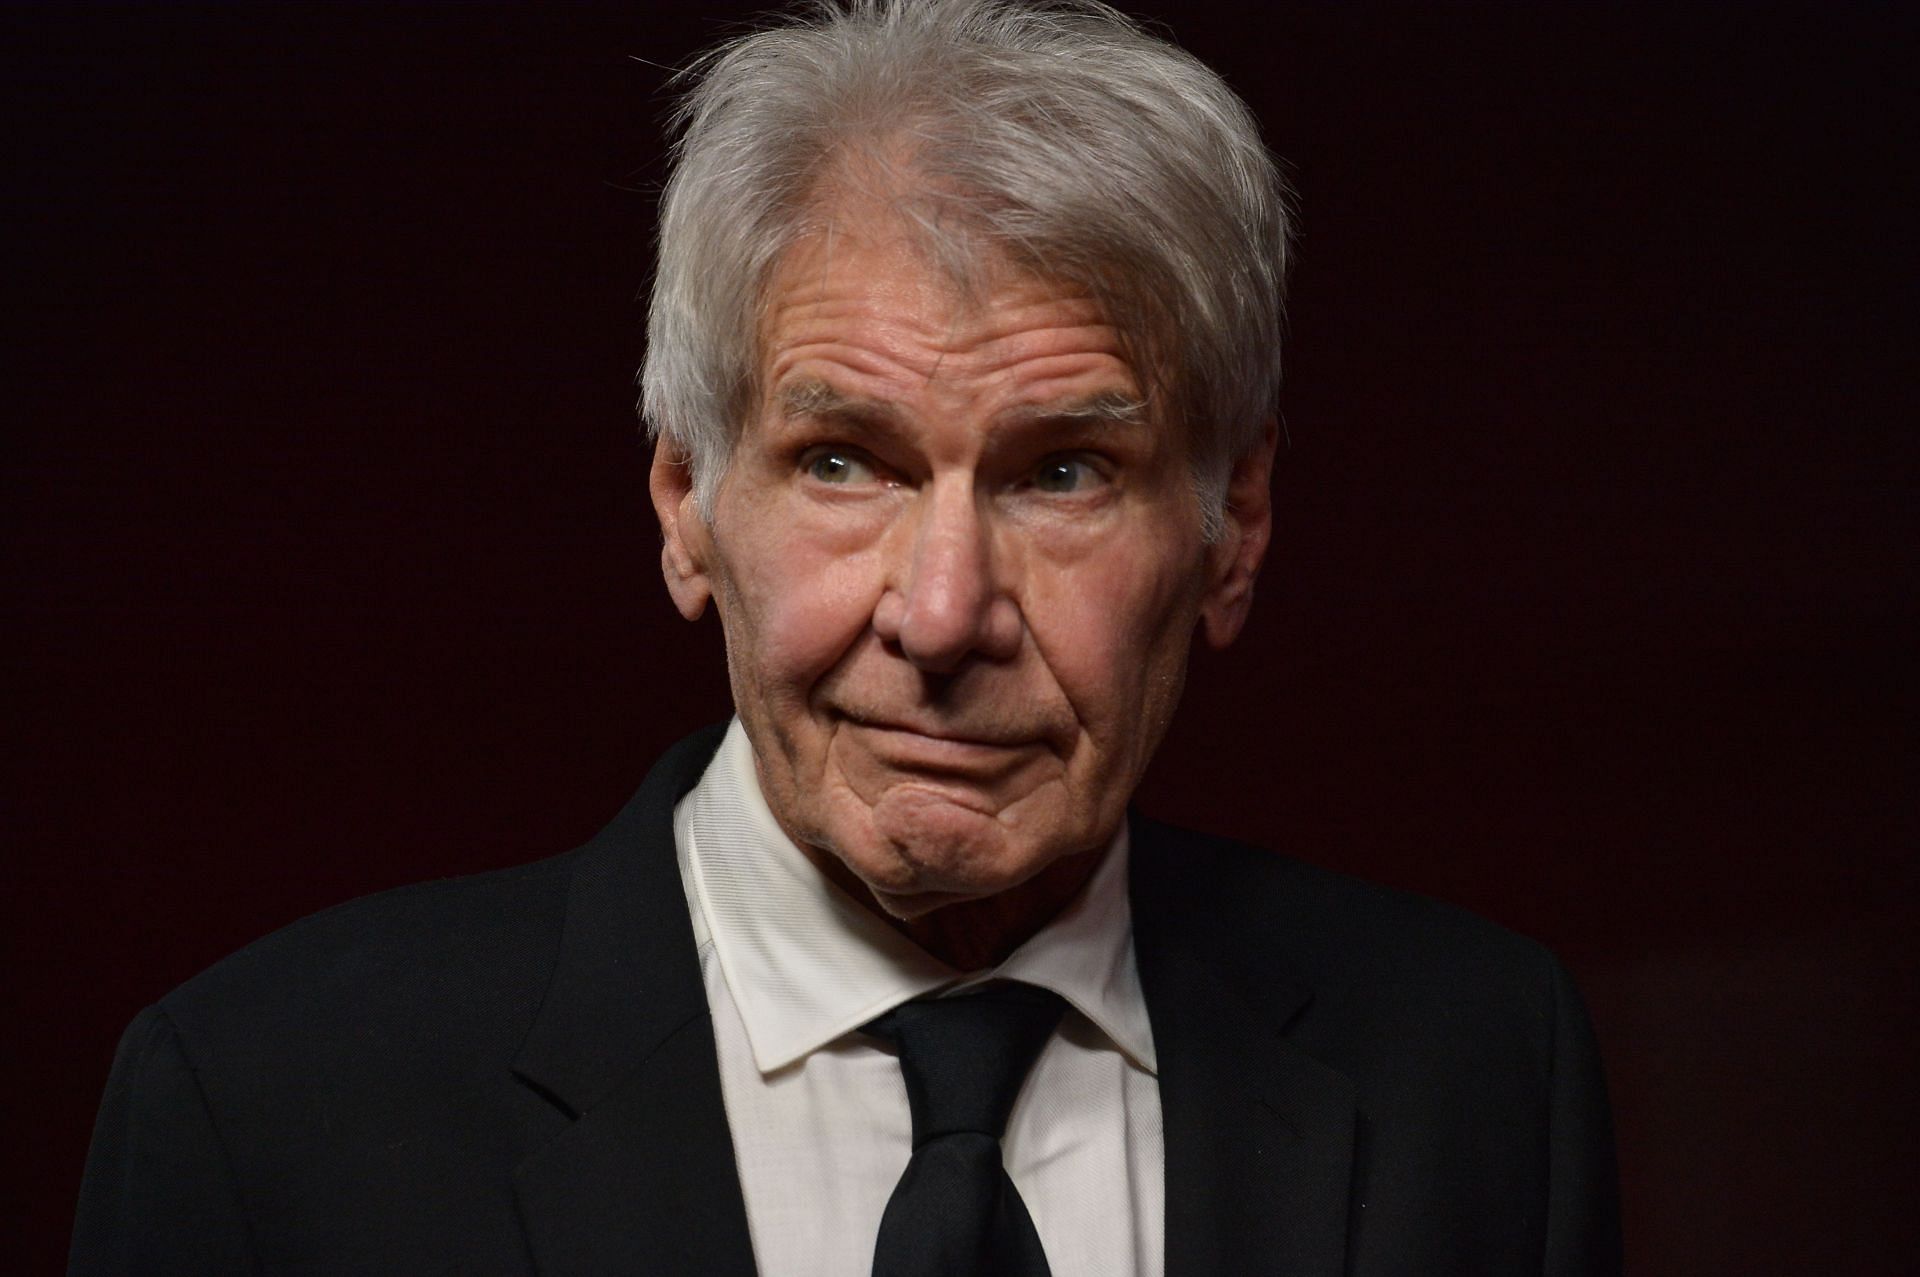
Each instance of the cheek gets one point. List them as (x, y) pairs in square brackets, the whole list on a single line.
[(1115, 631), (790, 621)]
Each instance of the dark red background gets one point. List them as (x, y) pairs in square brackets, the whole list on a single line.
[(1591, 606)]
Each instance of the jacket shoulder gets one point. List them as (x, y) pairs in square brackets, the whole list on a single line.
[(1339, 934), (435, 960)]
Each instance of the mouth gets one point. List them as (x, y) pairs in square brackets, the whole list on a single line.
[(939, 748)]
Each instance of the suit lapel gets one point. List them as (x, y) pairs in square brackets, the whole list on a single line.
[(644, 1177), (1259, 1135)]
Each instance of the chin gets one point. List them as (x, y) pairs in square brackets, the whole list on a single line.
[(913, 906), (910, 877), (920, 877)]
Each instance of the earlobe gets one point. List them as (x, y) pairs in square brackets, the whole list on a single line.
[(685, 546), (1236, 557)]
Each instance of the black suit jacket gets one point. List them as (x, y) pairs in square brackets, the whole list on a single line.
[(515, 1072)]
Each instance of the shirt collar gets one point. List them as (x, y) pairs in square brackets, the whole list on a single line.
[(806, 963)]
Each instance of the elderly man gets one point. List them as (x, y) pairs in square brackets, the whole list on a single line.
[(962, 363)]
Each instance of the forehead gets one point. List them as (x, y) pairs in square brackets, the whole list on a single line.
[(869, 293)]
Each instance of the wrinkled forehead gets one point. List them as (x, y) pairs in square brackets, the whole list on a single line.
[(862, 329), (929, 235), (912, 236), (877, 255)]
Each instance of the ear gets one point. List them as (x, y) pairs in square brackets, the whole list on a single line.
[(1234, 560), (688, 546)]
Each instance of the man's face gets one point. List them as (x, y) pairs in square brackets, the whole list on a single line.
[(958, 565)]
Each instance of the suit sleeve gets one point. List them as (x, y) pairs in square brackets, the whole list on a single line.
[(1583, 1203), (159, 1194)]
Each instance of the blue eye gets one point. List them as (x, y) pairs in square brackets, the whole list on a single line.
[(1065, 474), (837, 466)]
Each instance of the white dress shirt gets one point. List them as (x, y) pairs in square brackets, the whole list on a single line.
[(818, 1111)]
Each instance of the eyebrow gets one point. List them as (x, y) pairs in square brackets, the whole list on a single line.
[(815, 398), (1116, 407)]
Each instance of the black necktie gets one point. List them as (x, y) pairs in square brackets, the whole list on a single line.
[(954, 1212)]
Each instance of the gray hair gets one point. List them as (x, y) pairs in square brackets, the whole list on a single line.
[(1059, 134)]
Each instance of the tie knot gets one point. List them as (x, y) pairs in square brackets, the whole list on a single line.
[(964, 1058)]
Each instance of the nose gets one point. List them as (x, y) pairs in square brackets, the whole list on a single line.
[(944, 601)]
